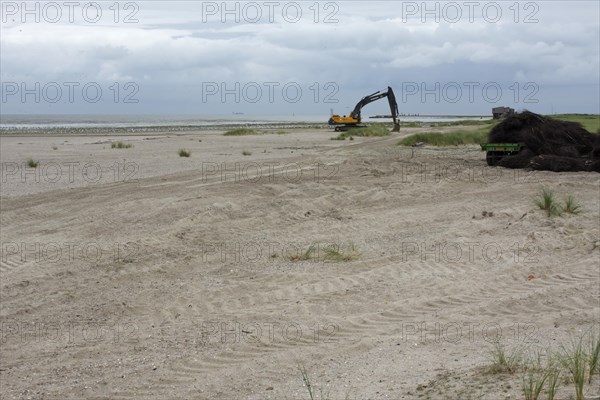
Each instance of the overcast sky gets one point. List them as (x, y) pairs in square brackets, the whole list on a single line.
[(303, 58)]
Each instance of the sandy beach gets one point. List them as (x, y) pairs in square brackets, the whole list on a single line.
[(385, 272)]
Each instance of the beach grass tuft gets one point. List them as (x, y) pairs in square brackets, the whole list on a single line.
[(120, 145), (241, 132)]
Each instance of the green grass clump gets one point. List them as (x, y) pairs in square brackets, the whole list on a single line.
[(373, 130), (504, 360), (241, 132), (410, 124), (369, 131), (331, 253), (594, 355), (31, 163), (591, 122), (309, 254), (552, 385), (246, 153), (571, 205), (541, 372), (468, 122), (580, 362), (120, 145), (538, 375), (547, 201), (533, 384), (184, 153), (453, 138), (574, 360)]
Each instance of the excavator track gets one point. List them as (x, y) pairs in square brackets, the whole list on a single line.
[(344, 128)]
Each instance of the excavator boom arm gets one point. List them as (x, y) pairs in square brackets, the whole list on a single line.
[(376, 96), (366, 100)]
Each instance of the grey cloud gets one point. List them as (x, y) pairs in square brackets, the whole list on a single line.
[(172, 51)]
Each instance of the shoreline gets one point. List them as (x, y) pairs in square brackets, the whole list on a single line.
[(14, 125), (144, 130), (175, 129)]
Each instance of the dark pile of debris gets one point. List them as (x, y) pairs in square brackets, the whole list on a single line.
[(550, 144)]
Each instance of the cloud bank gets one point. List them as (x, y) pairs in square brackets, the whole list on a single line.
[(277, 57)]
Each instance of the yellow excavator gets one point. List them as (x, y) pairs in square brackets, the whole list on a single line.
[(343, 123)]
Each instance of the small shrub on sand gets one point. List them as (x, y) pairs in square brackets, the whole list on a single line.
[(571, 205), (369, 131), (120, 145), (184, 153), (574, 360), (241, 132), (331, 252), (547, 201), (309, 254), (504, 360), (543, 371), (453, 138)]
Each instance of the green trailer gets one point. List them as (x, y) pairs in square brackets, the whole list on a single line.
[(496, 151)]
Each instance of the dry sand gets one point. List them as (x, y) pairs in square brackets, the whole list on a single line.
[(173, 277)]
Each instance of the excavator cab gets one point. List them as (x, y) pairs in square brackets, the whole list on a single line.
[(353, 120)]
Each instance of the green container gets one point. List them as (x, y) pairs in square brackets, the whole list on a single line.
[(496, 151)]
